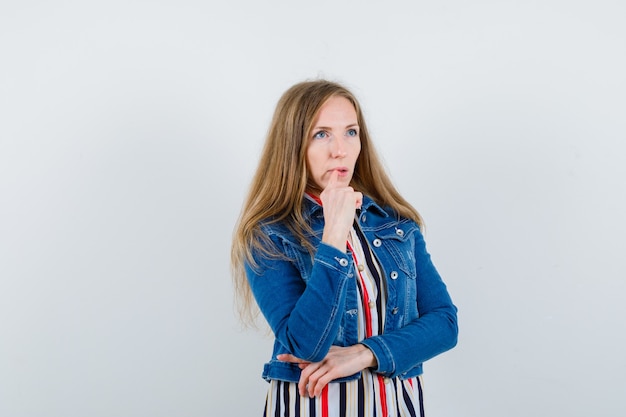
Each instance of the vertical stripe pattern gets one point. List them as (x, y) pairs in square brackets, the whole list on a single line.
[(359, 398), (372, 395)]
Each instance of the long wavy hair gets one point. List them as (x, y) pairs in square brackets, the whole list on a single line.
[(279, 184)]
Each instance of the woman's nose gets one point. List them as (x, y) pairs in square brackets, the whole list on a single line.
[(338, 148)]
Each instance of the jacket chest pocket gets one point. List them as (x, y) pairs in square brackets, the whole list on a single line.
[(398, 242), (300, 257)]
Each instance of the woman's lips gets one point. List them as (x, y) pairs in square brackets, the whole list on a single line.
[(342, 171)]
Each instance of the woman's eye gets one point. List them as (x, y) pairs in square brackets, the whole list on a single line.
[(320, 135), (352, 132)]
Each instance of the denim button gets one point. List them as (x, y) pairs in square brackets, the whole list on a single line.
[(395, 310), (394, 275), (400, 232), (363, 218), (377, 243), (343, 262)]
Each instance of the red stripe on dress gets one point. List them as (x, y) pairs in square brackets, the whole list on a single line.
[(325, 401), (383, 395)]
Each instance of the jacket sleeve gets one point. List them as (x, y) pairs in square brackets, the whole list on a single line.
[(305, 318), (433, 332)]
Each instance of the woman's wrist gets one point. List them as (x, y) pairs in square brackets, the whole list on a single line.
[(335, 240), (369, 359)]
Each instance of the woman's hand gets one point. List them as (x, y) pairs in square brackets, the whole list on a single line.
[(338, 363), (339, 204)]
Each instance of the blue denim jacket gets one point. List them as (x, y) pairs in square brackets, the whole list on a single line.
[(310, 303)]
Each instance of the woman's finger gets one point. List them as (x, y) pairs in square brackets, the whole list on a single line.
[(320, 378), (303, 384), (287, 357), (320, 383), (359, 199), (332, 181)]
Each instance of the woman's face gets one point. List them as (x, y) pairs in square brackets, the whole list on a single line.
[(334, 144)]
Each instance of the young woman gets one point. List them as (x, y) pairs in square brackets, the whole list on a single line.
[(335, 259)]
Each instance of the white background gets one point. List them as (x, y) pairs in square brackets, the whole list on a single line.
[(129, 132)]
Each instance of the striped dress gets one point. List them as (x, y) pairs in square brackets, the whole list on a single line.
[(372, 395)]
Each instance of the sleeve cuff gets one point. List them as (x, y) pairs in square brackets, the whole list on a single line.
[(386, 365)]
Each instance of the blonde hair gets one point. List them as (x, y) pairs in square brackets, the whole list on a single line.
[(278, 186)]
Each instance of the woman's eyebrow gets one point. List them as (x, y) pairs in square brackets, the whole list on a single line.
[(329, 128)]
